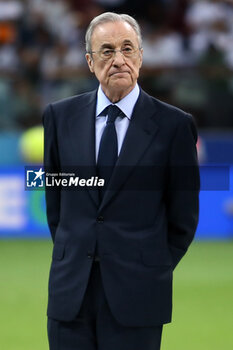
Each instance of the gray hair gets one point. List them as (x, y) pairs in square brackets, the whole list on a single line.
[(111, 17)]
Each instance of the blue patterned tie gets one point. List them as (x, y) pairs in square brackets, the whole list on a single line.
[(108, 149)]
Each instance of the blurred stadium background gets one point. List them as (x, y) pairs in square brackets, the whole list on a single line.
[(188, 62)]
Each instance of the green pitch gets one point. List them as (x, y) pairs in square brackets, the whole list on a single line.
[(203, 297)]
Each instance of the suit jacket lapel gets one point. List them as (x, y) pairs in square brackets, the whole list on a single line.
[(82, 135), (142, 129)]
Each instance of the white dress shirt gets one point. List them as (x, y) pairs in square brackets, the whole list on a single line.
[(126, 105)]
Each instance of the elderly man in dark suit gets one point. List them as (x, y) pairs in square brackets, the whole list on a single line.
[(115, 247)]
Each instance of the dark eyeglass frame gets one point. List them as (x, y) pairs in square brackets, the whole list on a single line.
[(108, 54)]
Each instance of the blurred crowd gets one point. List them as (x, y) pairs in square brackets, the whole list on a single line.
[(188, 55)]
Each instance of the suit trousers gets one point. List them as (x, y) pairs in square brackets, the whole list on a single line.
[(95, 328)]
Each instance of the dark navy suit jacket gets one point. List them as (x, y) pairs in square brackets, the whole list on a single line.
[(146, 220)]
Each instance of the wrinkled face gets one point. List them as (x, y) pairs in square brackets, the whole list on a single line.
[(118, 73)]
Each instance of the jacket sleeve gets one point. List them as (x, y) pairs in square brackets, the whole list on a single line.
[(51, 165), (183, 189)]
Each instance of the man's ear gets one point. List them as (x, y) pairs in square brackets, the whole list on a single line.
[(141, 56), (90, 62)]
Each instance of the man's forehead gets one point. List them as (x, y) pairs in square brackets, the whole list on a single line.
[(120, 31)]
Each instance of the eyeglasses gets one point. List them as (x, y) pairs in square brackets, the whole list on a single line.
[(108, 54)]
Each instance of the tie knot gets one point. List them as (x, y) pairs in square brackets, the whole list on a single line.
[(113, 113)]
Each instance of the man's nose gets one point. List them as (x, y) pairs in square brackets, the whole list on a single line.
[(118, 59)]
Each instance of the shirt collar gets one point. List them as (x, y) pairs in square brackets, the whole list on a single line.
[(126, 105)]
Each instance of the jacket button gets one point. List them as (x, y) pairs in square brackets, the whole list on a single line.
[(100, 219), (90, 255)]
